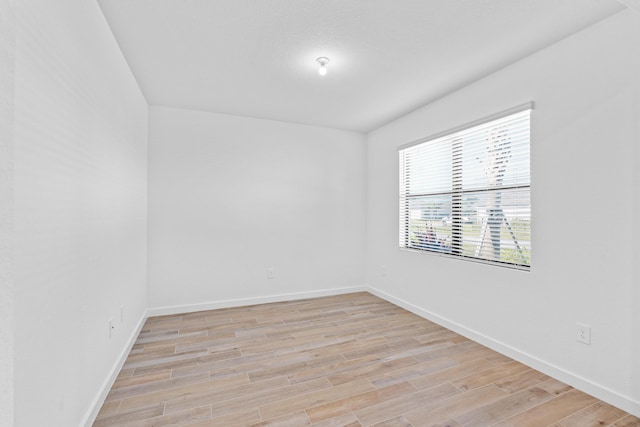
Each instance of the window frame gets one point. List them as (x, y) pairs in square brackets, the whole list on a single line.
[(458, 192)]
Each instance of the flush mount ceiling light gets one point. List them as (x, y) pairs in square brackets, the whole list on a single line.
[(323, 65)]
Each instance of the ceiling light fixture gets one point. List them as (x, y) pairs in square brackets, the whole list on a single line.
[(323, 65)]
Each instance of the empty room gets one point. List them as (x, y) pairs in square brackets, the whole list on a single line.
[(320, 213)]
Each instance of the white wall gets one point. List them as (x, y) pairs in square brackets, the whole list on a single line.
[(7, 68), (635, 321), (80, 209), (584, 130), (232, 196)]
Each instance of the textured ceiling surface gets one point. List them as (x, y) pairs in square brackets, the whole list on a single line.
[(256, 58)]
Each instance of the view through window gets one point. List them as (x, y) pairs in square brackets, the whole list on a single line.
[(467, 193)]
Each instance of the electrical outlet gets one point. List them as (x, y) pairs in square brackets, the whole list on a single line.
[(584, 333), (112, 326), (270, 273)]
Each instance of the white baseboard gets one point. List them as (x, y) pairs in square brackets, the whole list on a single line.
[(603, 393), (91, 415), (213, 305)]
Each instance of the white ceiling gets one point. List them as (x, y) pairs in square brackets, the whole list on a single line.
[(256, 58)]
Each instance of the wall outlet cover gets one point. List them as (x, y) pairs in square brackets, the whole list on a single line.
[(584, 333)]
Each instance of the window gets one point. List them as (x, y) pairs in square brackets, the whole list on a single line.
[(467, 193)]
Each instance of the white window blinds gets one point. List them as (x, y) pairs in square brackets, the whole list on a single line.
[(467, 193)]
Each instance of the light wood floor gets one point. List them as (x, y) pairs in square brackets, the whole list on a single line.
[(349, 360)]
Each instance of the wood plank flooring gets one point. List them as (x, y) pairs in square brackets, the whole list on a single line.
[(349, 360)]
